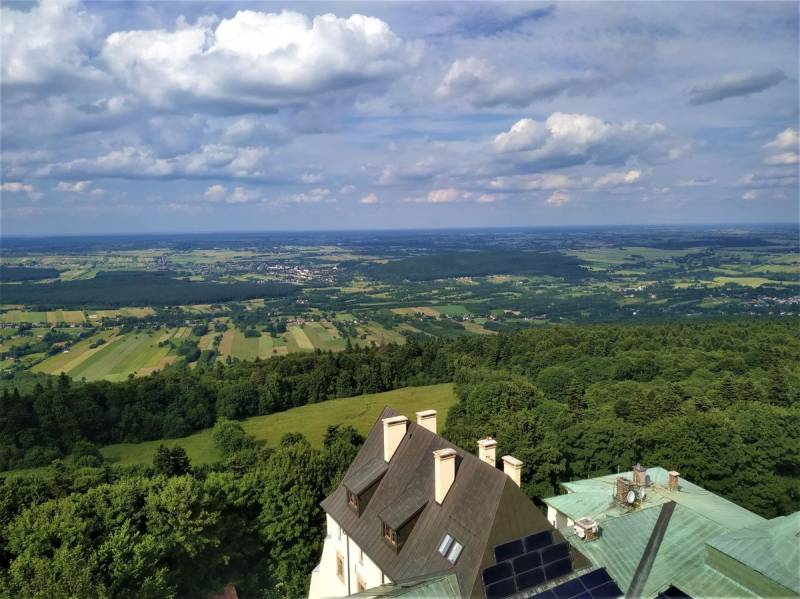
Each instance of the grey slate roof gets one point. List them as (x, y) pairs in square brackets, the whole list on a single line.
[(364, 478), (482, 509)]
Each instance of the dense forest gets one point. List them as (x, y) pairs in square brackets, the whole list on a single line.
[(137, 288), (21, 273), (476, 264), (719, 401)]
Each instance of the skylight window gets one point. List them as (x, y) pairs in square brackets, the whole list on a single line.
[(444, 546), (455, 551)]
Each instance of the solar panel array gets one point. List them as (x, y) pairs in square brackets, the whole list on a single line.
[(594, 585), (525, 563)]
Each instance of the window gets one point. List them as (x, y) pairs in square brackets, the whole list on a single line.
[(340, 567), (352, 500), (390, 534), (444, 546), (455, 551), (361, 586)]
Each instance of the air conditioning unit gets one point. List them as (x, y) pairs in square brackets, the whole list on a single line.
[(586, 529)]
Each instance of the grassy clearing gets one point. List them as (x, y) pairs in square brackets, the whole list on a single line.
[(311, 420), (745, 281)]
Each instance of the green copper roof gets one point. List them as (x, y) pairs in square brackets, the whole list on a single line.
[(624, 533), (771, 548), (444, 587), (594, 497)]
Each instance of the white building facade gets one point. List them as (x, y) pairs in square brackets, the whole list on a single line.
[(344, 568)]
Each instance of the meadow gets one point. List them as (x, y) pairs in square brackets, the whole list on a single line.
[(311, 420)]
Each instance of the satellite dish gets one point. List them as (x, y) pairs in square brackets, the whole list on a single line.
[(631, 497)]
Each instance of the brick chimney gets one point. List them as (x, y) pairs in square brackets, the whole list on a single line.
[(621, 488), (444, 472), (487, 451), (673, 480), (513, 468), (427, 419), (394, 429), (639, 475)]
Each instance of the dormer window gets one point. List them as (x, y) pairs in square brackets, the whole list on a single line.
[(361, 485), (390, 534), (352, 501)]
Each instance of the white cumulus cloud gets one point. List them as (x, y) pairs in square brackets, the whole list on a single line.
[(256, 60), (573, 139)]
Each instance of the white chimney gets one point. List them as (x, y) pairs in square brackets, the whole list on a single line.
[(427, 419), (487, 451), (444, 472), (513, 467), (394, 429)]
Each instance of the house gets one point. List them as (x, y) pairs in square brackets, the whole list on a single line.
[(659, 535), (418, 516)]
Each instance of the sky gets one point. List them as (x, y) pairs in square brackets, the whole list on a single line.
[(204, 116)]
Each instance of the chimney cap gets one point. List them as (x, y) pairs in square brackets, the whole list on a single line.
[(487, 442), (674, 473), (395, 420), (426, 413), (639, 468), (447, 452), (512, 461)]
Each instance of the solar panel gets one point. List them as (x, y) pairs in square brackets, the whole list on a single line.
[(509, 550), (501, 589), (592, 585), (497, 572), (525, 563), (538, 540), (559, 568), (555, 552), (531, 578)]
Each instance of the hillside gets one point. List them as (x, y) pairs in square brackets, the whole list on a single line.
[(311, 420)]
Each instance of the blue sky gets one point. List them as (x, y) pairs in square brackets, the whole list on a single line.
[(139, 116)]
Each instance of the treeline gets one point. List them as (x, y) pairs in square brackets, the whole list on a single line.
[(253, 520), (719, 402), (45, 423), (134, 288), (10, 274), (475, 264)]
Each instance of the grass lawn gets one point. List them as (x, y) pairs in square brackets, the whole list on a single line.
[(311, 420)]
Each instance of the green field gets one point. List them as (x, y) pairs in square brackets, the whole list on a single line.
[(311, 420), (132, 353)]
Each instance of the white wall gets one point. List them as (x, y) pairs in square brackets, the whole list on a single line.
[(324, 581), (557, 519)]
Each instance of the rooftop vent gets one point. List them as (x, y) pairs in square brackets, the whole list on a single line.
[(487, 451), (586, 529), (674, 480), (394, 429), (427, 419), (513, 468)]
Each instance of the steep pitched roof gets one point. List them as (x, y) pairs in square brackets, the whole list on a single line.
[(482, 509)]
